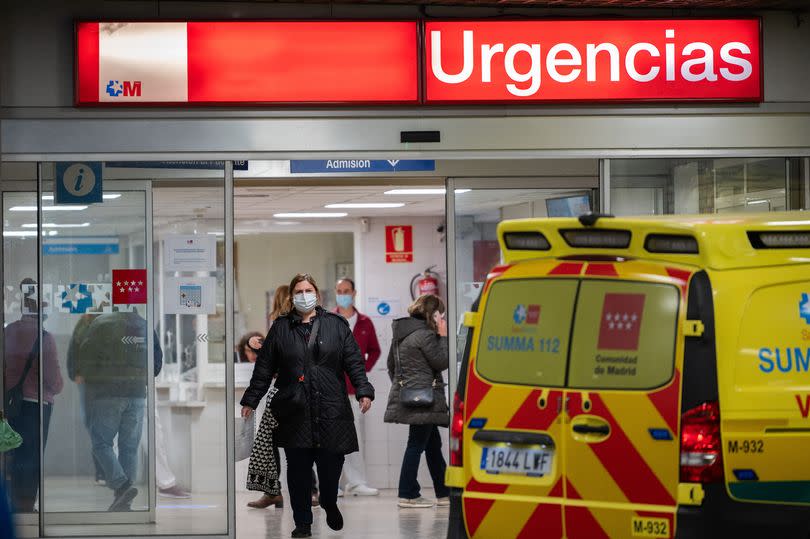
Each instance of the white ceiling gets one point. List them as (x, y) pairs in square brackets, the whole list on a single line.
[(263, 202), (201, 209)]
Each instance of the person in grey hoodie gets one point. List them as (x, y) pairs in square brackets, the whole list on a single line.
[(417, 358)]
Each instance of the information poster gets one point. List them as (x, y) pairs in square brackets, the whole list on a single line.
[(84, 298), (194, 295), (190, 253), (29, 298)]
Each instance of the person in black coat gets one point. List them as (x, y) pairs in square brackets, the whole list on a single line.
[(322, 430)]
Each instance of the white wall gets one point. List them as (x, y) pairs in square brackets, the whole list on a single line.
[(265, 261), (270, 259)]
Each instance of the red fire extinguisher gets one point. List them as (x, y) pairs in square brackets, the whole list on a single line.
[(423, 283)]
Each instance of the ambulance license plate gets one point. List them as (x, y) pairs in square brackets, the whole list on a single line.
[(517, 461), (650, 527)]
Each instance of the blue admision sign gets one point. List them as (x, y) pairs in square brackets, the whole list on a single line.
[(327, 166)]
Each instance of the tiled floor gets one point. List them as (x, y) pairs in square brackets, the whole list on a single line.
[(365, 518), (375, 517)]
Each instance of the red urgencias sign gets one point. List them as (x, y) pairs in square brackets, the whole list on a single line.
[(376, 62), (596, 60)]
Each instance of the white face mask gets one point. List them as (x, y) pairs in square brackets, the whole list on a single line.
[(304, 302)]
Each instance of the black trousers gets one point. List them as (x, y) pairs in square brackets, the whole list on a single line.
[(24, 472), (299, 480)]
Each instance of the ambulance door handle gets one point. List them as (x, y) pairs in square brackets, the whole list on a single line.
[(560, 404), (590, 429)]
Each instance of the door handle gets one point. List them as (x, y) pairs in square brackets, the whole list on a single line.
[(604, 430), (590, 429)]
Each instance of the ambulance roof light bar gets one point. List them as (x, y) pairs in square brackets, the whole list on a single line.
[(782, 239)]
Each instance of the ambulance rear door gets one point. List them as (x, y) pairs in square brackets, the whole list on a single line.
[(623, 402)]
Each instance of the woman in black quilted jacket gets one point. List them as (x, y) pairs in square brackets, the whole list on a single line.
[(417, 358), (309, 350)]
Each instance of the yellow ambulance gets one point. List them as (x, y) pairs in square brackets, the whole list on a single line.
[(637, 377)]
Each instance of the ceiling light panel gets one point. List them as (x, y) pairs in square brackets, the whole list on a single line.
[(365, 205), (48, 208), (310, 215)]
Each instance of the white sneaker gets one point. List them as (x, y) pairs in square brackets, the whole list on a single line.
[(443, 502), (421, 503), (340, 492), (362, 490)]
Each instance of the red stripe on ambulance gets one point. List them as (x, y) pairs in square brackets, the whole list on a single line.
[(680, 275), (666, 402), (604, 270), (531, 417), (619, 456), (567, 268), (545, 522), (475, 510), (489, 488), (477, 389), (579, 522)]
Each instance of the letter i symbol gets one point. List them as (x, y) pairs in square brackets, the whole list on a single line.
[(670, 54), (79, 179)]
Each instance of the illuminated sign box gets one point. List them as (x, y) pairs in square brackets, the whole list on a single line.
[(241, 63), (593, 60)]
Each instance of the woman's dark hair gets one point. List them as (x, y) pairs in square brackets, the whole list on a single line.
[(424, 307), (301, 277), (243, 342)]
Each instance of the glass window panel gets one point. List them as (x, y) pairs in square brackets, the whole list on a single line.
[(624, 335), (20, 342), (765, 175), (525, 332), (689, 186), (134, 448), (798, 184)]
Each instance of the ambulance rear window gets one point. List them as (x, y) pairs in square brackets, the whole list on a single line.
[(525, 331), (624, 335), (583, 334)]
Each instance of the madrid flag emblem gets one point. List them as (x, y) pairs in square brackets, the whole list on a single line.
[(129, 286), (620, 324)]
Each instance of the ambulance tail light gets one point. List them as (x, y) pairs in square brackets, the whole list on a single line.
[(457, 432), (701, 447)]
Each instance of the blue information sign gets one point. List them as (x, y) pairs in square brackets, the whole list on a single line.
[(331, 166), (80, 249), (78, 183)]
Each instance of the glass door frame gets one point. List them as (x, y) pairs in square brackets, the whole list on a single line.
[(39, 520), (583, 183), (103, 517), (25, 520)]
